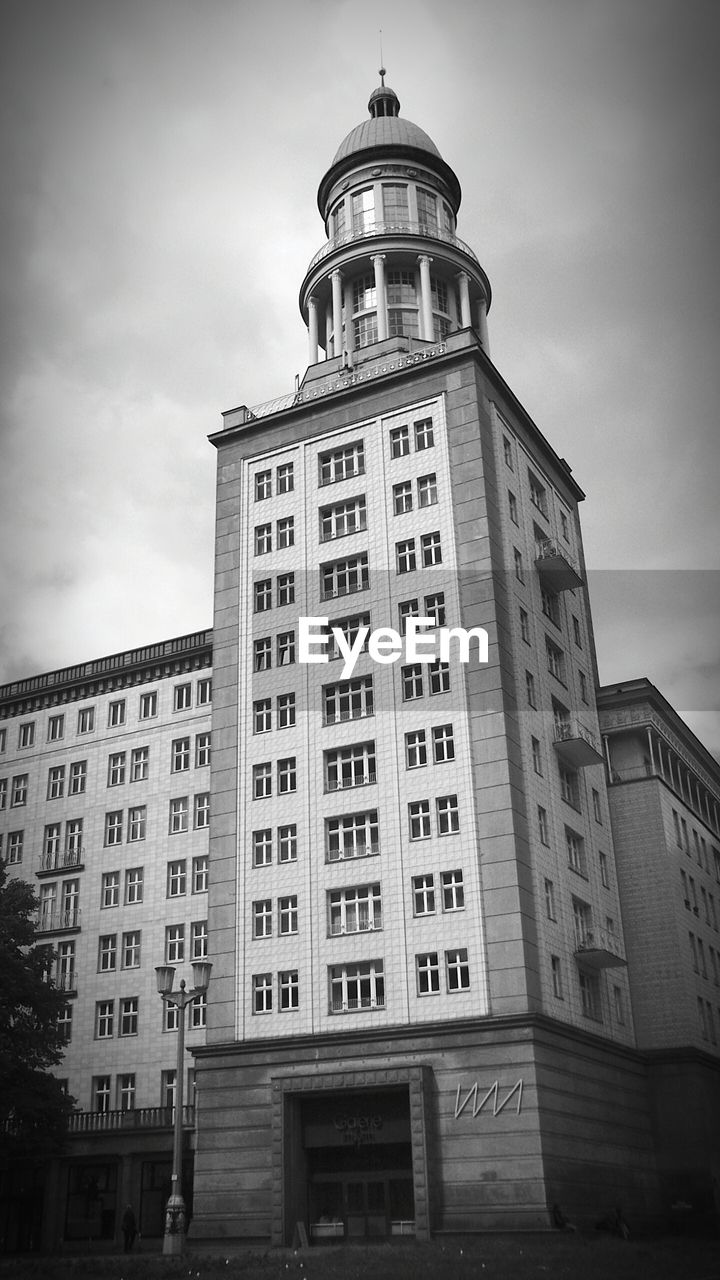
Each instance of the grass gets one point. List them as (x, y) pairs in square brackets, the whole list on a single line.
[(552, 1256)]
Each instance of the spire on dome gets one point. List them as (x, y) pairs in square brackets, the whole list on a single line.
[(383, 101)]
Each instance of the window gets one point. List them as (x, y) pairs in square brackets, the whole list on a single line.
[(263, 485), (287, 914), (357, 986), (262, 780), (201, 810), (453, 892), (538, 494), (518, 560), (402, 497), (287, 843), (406, 609), (590, 995), (73, 838), (570, 786), (288, 990), (423, 890), (556, 970), (427, 971), (596, 805), (178, 815), (262, 847), (202, 750), (262, 992), (577, 637), (583, 686), (457, 971), (343, 518), (285, 589), (26, 735), (262, 715), (176, 878), (129, 1016), (19, 792), (286, 532), (263, 595), (56, 726), (427, 210), (107, 952), (354, 910), (350, 628), (582, 922), (576, 851), (439, 677), (405, 557), (427, 490), (348, 700), (262, 654), (530, 688), (200, 873), (133, 885), (110, 889), (550, 899), (424, 438), (148, 705), (263, 539), (137, 821), (419, 819), (139, 764), (198, 1011), (443, 743), (353, 835), (174, 943), (199, 940), (415, 749), (204, 692), (287, 775), (412, 683), (448, 818), (116, 769), (131, 949), (343, 577), (126, 1091), (363, 210), (550, 606), (286, 648), (513, 506), (3, 739), (104, 1017), (604, 872), (56, 782), (555, 660), (350, 766), (285, 710), (507, 453), (285, 475), (435, 608), (430, 550), (64, 1024), (543, 829), (536, 755), (51, 846), (113, 828), (524, 626), (399, 442), (182, 697), (3, 793), (341, 464), (180, 755)]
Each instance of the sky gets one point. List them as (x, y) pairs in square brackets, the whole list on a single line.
[(160, 164)]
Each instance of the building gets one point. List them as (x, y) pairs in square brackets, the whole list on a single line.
[(420, 1016), (430, 1009), (104, 789), (664, 793)]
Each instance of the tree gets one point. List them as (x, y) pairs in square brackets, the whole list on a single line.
[(33, 1104)]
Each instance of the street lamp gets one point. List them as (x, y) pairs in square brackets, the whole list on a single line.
[(174, 1237)]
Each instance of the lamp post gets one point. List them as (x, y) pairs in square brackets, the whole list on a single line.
[(174, 1237)]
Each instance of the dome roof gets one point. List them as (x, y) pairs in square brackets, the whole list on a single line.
[(385, 131)]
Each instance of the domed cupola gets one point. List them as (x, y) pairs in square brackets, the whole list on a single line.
[(393, 266)]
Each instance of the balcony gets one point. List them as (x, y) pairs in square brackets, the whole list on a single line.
[(403, 228), (356, 780), (575, 744), (135, 1118), (598, 949), (69, 860), (67, 982), (556, 569), (58, 921)]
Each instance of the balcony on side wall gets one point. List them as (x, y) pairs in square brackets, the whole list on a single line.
[(575, 744), (134, 1118), (556, 569), (67, 921), (599, 949), (69, 860)]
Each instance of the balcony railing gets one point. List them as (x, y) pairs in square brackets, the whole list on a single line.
[(576, 744), (66, 981), (340, 717), (56, 921), (375, 229), (359, 850), (556, 567), (361, 780), (69, 859), (135, 1118), (599, 949), (351, 1006)]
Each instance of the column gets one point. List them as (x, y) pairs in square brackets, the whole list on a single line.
[(349, 327), (313, 329), (482, 326), (464, 291), (426, 318), (336, 278), (328, 331), (378, 261), (652, 757)]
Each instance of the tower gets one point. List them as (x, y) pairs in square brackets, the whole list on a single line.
[(419, 1017)]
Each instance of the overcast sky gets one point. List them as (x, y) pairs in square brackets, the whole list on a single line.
[(160, 162)]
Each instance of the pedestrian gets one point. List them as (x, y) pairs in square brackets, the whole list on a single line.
[(129, 1228)]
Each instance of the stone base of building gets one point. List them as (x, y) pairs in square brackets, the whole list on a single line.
[(482, 1127)]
